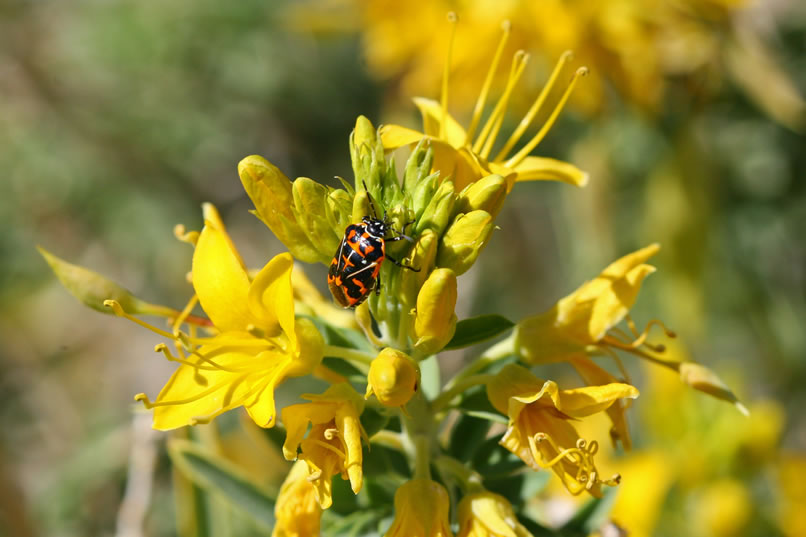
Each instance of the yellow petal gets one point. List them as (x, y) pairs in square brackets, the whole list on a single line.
[(296, 419), (219, 276), (394, 136), (593, 374), (431, 111), (271, 296), (549, 169), (580, 402), (350, 430)]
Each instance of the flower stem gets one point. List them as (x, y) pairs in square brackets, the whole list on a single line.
[(348, 354), (457, 388)]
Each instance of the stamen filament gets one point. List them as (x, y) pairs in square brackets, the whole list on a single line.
[(118, 309), (185, 312), (525, 150), (334, 449), (149, 404), (519, 61), (506, 27), (536, 106), (163, 348), (452, 19)]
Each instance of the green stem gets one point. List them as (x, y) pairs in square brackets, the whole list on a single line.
[(500, 350), (469, 480), (457, 388), (348, 354), (422, 465)]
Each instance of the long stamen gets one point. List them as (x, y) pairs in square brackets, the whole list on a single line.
[(152, 404), (184, 314), (197, 420), (506, 28), (536, 107), (525, 150), (334, 449), (163, 348), (452, 19), (519, 62), (118, 309)]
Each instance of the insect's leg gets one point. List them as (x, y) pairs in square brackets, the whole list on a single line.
[(402, 265)]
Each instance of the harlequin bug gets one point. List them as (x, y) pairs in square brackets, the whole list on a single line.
[(355, 269)]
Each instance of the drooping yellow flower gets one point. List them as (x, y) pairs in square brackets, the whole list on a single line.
[(259, 342), (484, 514), (467, 155), (297, 512), (333, 445), (422, 509), (540, 430)]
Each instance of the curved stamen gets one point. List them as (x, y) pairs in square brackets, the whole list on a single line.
[(118, 309), (163, 348), (331, 433), (152, 404), (525, 150), (334, 449), (184, 314), (536, 106), (452, 19), (519, 61), (181, 233)]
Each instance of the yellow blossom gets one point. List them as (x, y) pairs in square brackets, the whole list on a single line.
[(422, 507), (297, 512), (259, 342), (466, 155), (540, 430), (484, 514), (334, 442)]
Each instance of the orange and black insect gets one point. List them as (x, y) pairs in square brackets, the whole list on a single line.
[(355, 270)]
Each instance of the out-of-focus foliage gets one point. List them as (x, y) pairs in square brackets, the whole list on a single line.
[(118, 119)]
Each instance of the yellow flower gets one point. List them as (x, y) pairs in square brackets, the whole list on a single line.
[(297, 512), (539, 430), (466, 155), (259, 342), (334, 442), (422, 507), (484, 514)]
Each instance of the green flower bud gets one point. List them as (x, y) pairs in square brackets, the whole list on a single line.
[(339, 209), (360, 205), (423, 193), (270, 192), (93, 289), (393, 377), (487, 194), (369, 164), (435, 320), (423, 257), (703, 379), (437, 213), (418, 166), (464, 240), (310, 201)]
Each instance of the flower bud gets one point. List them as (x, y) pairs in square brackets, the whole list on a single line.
[(338, 210), (309, 209), (487, 194), (703, 379), (435, 320), (418, 166), (360, 205), (437, 213), (485, 513), (393, 378), (270, 192), (369, 164), (423, 193), (464, 240), (422, 256), (91, 288)]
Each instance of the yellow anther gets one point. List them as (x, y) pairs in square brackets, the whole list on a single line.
[(181, 233)]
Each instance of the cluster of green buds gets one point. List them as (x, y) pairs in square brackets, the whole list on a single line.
[(413, 310)]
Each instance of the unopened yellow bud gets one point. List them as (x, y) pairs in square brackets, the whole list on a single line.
[(270, 192), (393, 378), (360, 206), (439, 210), (464, 240), (310, 200), (423, 256), (364, 133), (91, 288), (487, 194), (435, 320)]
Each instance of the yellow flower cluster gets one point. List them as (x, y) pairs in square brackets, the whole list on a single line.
[(260, 328)]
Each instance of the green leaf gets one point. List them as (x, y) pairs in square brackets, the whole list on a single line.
[(221, 477), (478, 329), (343, 367), (467, 435), (373, 421)]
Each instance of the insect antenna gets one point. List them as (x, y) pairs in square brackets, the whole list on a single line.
[(372, 204)]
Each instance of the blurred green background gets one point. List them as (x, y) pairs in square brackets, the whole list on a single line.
[(118, 119)]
